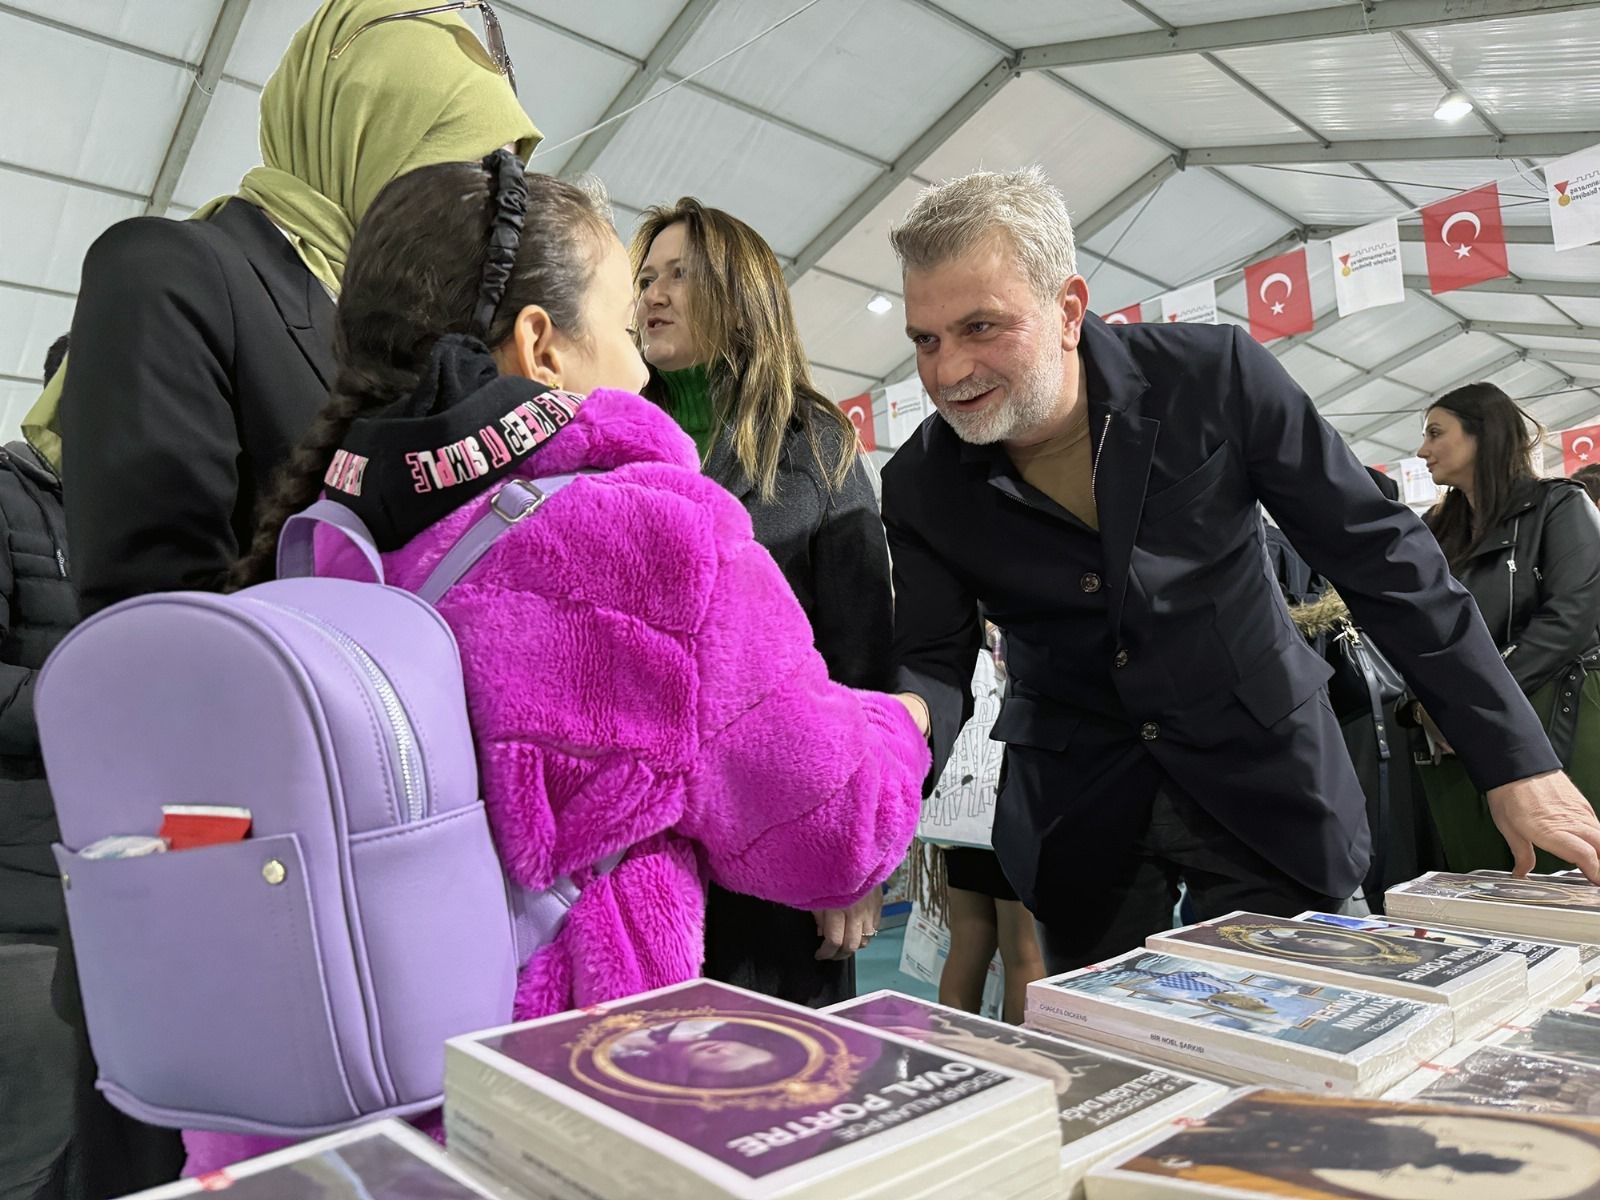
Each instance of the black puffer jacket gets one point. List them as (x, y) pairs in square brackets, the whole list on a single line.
[(1549, 607), (37, 608)]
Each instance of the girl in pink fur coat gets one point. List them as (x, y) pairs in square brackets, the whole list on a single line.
[(639, 675)]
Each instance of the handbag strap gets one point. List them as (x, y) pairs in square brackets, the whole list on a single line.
[(512, 503), (1374, 884)]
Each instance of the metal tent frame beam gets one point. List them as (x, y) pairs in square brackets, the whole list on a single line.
[(667, 48), (1407, 149), (1343, 20), (1369, 430), (201, 88), (1521, 287), (1586, 333), (1361, 379), (1564, 358)]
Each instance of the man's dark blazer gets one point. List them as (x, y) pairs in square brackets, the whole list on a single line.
[(201, 352), (1220, 693)]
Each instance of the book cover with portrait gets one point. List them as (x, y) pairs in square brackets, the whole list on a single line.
[(1481, 988), (1103, 1100), (385, 1161), (1499, 1077), (1542, 906), (1284, 1144), (704, 1089), (1555, 971), (1245, 1025)]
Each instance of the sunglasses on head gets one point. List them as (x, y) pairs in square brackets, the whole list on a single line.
[(493, 35)]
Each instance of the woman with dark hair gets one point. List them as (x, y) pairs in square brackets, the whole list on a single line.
[(634, 662), (1528, 549), (716, 326)]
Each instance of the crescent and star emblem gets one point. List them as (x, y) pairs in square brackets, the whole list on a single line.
[(1582, 447), (1266, 286), (1465, 248)]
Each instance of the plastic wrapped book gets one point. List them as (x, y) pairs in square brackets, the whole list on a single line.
[(1547, 906), (1555, 970), (1242, 1025), (1104, 1101), (1497, 1077), (1480, 987), (703, 1090), (1283, 1144), (385, 1161)]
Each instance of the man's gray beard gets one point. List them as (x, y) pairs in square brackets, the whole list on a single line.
[(1026, 407)]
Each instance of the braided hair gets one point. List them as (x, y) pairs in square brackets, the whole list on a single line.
[(428, 254)]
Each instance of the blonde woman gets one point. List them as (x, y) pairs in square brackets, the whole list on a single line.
[(717, 330)]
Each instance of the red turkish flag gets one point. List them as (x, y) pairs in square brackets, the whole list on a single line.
[(1580, 447), (1132, 315), (1279, 292), (859, 410), (1465, 240)]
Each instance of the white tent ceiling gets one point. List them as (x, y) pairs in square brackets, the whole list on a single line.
[(1190, 136)]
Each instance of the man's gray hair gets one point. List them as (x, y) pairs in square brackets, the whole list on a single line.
[(1023, 206)]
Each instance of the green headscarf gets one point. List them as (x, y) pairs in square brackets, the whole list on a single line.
[(334, 132)]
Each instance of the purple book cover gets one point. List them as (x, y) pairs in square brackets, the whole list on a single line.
[(370, 1168), (755, 1085), (1094, 1091)]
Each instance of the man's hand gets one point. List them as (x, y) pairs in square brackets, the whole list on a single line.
[(918, 708), (1547, 811), (845, 930)]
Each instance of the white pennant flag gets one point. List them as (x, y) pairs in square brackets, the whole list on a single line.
[(907, 405), (1197, 302), (1574, 186), (1367, 271)]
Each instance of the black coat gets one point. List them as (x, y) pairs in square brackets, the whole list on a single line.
[(1549, 607), (830, 546), (37, 608), (1194, 425), (201, 352)]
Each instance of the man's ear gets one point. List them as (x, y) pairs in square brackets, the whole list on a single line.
[(533, 350), (1073, 300)]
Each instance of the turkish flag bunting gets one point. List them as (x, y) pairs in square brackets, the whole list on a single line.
[(859, 410), (1465, 241), (1580, 447), (1132, 315), (1279, 292)]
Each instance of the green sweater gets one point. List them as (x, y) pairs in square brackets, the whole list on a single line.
[(688, 402)]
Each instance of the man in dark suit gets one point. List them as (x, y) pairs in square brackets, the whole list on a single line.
[(1093, 490)]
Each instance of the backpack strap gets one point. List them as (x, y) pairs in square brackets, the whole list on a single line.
[(297, 546), (516, 500), (537, 917)]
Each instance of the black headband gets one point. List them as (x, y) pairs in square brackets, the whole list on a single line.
[(508, 189)]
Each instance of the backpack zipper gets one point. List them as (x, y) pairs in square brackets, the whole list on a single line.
[(405, 756)]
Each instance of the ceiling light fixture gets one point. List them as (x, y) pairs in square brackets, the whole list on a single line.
[(879, 304), (1452, 106)]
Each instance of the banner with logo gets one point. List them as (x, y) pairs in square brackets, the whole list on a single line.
[(907, 404), (1132, 315), (1279, 295), (1367, 271), (859, 410), (1198, 302), (1574, 184), (1465, 241), (1580, 447)]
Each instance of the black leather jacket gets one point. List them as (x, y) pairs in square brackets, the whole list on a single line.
[(1548, 607)]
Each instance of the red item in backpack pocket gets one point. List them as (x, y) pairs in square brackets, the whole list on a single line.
[(189, 826)]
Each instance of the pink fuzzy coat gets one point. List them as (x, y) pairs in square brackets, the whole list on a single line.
[(640, 676)]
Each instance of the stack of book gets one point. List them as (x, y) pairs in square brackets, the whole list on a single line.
[(1280, 1144), (702, 1090), (1242, 1025), (1103, 1101), (1563, 1032), (385, 1161), (1479, 987), (1496, 1077), (1544, 906), (1555, 973)]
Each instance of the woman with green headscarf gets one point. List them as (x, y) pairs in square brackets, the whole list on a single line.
[(202, 349)]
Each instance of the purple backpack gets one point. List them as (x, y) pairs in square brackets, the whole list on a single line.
[(306, 978)]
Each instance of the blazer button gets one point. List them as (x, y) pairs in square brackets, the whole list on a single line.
[(1090, 582), (1149, 731), (1121, 659)]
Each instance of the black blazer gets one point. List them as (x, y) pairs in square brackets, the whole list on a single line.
[(201, 352), (1550, 606), (830, 546), (1194, 425)]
